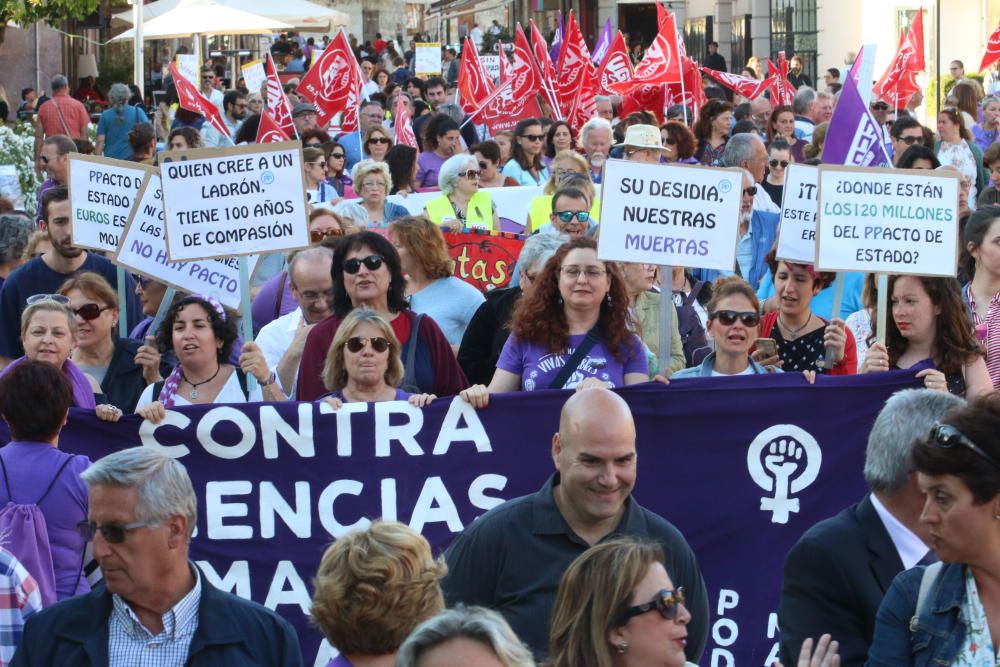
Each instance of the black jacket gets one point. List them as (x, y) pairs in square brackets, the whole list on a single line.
[(123, 383), (486, 334)]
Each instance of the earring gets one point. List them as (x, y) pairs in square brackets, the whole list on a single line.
[(609, 298), (621, 646)]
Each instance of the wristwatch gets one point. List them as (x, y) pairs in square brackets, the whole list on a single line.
[(269, 381)]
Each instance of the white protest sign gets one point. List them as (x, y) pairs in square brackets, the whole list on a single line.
[(101, 194), (254, 76), (225, 202), (797, 230), (887, 221), (143, 250), (187, 65), (427, 61), (671, 215), (491, 65), (10, 185)]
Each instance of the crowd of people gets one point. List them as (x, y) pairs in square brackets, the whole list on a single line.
[(372, 311)]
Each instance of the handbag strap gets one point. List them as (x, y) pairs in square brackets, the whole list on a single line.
[(593, 336), (411, 350), (61, 119)]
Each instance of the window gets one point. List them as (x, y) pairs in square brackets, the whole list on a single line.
[(793, 30), (697, 35), (742, 43)]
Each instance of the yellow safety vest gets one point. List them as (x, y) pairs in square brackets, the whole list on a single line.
[(541, 211), (478, 214)]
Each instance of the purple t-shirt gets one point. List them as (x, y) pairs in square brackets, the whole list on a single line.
[(30, 468), (263, 305), (538, 367), (428, 166)]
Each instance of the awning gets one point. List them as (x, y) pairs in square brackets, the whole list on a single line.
[(441, 11)]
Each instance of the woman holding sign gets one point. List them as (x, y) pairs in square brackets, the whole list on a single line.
[(930, 329)]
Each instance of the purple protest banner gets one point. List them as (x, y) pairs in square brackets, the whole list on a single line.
[(603, 44), (742, 466), (854, 137), (557, 40)]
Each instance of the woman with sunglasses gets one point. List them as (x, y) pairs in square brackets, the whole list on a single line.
[(377, 143), (712, 132), (930, 330), (402, 161), (372, 182), (461, 203), (314, 169), (560, 137), (367, 272), (942, 614), (573, 330), (442, 139), (678, 143), (488, 156), (525, 165), (781, 125), (336, 161), (364, 363), (779, 157), (121, 366), (955, 147), (568, 169)]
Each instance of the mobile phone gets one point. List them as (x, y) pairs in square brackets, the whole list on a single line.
[(767, 346)]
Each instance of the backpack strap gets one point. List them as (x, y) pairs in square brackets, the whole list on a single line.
[(6, 482), (930, 576), (695, 291), (573, 362)]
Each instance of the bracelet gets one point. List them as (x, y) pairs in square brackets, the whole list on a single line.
[(269, 381)]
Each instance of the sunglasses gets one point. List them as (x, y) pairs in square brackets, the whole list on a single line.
[(947, 436), (358, 343), (371, 262), (880, 106), (321, 165), (142, 281), (728, 318), (668, 603), (775, 163), (471, 174), (482, 166), (88, 312), (317, 235), (909, 141), (44, 159), (751, 191), (39, 298), (566, 216), (669, 141), (378, 140), (113, 533), (336, 156), (533, 137)]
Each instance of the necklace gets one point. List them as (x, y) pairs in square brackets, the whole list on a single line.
[(195, 385), (794, 333)]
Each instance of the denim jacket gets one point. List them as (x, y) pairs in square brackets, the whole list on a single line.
[(704, 370), (764, 231), (934, 639)]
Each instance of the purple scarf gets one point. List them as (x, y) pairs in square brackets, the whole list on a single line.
[(83, 393)]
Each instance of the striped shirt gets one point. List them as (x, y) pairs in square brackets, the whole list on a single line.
[(992, 324), (19, 599), (130, 644)]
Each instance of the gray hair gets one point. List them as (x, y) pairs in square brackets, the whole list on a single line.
[(905, 418), (162, 483), (739, 149), (537, 250), (59, 82), (452, 170), (119, 94), (803, 98), (453, 111), (312, 255), (595, 123), (365, 167), (475, 623), (14, 233), (823, 95)]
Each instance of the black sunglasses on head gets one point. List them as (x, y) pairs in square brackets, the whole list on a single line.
[(728, 318), (668, 603), (947, 436), (371, 262)]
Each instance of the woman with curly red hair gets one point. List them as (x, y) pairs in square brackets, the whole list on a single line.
[(572, 330)]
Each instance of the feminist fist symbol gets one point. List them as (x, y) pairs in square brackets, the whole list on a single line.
[(782, 460)]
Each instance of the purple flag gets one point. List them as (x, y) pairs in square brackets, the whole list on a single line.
[(603, 44), (854, 137), (557, 40)]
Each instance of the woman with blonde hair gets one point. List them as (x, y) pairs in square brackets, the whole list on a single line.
[(564, 166), (372, 182), (373, 587)]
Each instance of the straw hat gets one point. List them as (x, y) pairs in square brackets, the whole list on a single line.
[(642, 136)]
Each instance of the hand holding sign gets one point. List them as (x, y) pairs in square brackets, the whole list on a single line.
[(148, 358)]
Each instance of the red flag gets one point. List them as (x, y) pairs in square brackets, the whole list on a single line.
[(547, 71), (992, 50), (574, 67), (506, 71), (527, 78), (616, 66), (692, 95), (191, 99), (899, 83), (333, 84), (644, 98), (269, 131), (277, 102), (782, 90), (742, 85), (402, 124), (661, 63), (473, 85)]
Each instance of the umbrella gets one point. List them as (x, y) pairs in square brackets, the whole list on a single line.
[(301, 14), (205, 17)]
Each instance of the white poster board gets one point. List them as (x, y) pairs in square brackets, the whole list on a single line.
[(427, 61), (101, 194), (254, 76), (10, 186), (673, 215), (187, 65), (143, 250), (225, 202), (797, 231), (887, 221), (491, 65)]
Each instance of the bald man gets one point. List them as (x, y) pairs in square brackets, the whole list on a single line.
[(512, 558)]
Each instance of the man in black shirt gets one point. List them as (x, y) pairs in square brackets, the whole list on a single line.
[(714, 59)]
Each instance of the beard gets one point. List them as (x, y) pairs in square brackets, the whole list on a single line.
[(745, 217)]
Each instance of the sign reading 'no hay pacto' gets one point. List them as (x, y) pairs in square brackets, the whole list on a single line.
[(887, 221), (670, 214), (234, 201)]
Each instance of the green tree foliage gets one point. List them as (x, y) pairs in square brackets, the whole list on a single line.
[(26, 12)]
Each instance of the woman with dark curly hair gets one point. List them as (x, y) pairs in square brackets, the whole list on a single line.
[(678, 143), (573, 330), (930, 329), (402, 161), (712, 132), (442, 139), (560, 137)]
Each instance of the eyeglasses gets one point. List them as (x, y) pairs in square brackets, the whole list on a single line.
[(317, 235), (44, 159), (880, 106), (358, 343), (774, 164), (909, 141), (591, 272), (727, 318), (751, 191), (39, 298), (142, 281), (336, 156), (371, 185), (89, 311), (313, 144), (472, 174), (947, 436), (111, 532), (327, 295), (371, 262), (533, 137), (378, 140), (566, 216), (668, 603)]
